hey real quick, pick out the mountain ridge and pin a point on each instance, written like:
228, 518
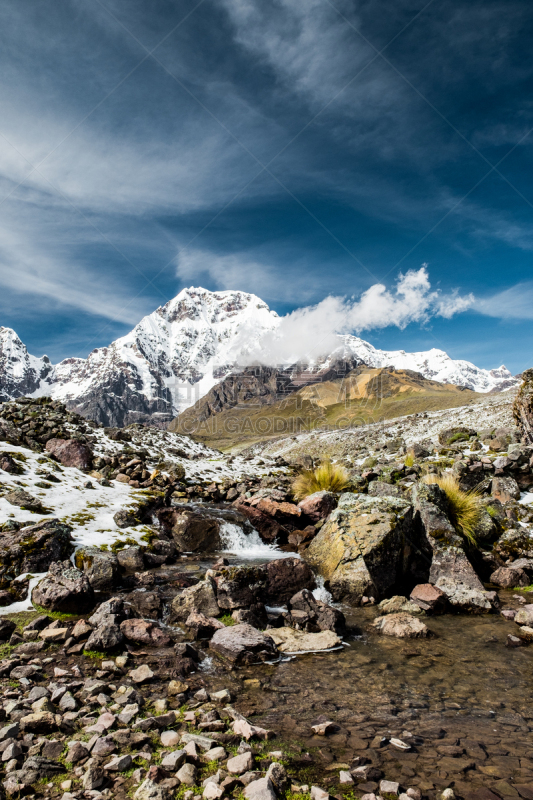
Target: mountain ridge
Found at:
178, 353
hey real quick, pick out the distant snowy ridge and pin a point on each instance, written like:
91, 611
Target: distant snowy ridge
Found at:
175, 355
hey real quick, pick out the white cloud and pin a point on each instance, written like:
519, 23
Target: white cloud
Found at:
311, 332
513, 303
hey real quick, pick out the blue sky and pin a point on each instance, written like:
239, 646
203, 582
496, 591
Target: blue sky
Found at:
294, 149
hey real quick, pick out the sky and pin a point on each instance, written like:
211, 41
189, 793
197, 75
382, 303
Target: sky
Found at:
314, 152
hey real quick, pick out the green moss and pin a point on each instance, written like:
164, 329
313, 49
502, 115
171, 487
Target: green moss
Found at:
94, 654
458, 437
228, 620
55, 614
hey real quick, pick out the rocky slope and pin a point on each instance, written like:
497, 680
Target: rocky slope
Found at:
177, 354
145, 655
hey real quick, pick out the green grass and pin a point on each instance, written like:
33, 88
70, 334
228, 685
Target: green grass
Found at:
228, 620
55, 614
465, 507
409, 460
94, 654
328, 476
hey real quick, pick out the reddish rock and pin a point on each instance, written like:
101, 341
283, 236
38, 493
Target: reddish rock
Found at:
286, 577
277, 510
318, 505
266, 526
429, 598
8, 463
142, 632
508, 578
71, 453
302, 537
203, 627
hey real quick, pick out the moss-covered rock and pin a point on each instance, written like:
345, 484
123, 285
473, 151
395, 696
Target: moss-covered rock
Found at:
33, 549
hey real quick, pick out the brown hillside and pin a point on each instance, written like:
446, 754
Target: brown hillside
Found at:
364, 395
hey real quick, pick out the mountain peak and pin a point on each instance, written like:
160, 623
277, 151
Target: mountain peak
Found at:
176, 354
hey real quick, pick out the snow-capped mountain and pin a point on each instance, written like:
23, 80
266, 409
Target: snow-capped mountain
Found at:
433, 364
166, 363
175, 355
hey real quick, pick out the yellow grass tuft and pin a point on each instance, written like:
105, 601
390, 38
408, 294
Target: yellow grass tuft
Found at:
328, 476
465, 507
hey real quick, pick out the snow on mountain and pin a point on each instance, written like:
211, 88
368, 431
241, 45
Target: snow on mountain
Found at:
433, 364
166, 363
175, 355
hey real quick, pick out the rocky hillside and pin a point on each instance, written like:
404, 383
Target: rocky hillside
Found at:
170, 624
177, 354
239, 412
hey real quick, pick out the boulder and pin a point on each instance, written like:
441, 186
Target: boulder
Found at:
523, 407
505, 489
441, 559
363, 549
65, 589
100, 566
24, 500
268, 528
401, 625
382, 489
107, 636
514, 543
131, 559
318, 506
509, 578
141, 631
7, 627
203, 627
242, 645
71, 453
319, 616
463, 597
429, 598
144, 604
288, 640
35, 548
275, 583
396, 604
193, 531
458, 433
200, 598
524, 615
285, 577
139, 512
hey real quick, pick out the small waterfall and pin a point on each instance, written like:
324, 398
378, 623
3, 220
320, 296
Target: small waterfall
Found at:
246, 545
321, 593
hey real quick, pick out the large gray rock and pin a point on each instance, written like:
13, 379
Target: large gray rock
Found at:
443, 561
100, 566
34, 548
65, 588
242, 644
505, 489
275, 583
200, 598
107, 636
23, 499
364, 548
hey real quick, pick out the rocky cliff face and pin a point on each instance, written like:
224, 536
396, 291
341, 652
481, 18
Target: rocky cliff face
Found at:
177, 354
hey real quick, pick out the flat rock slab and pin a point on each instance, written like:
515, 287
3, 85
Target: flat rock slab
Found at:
289, 640
401, 625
